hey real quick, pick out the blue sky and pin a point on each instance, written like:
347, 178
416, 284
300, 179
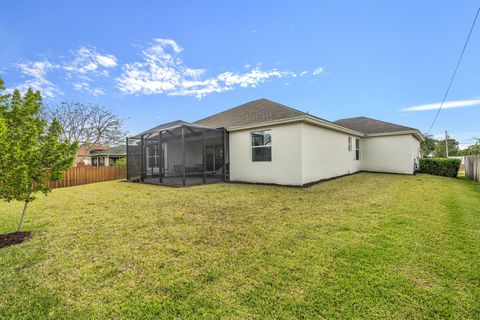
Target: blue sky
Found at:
154, 62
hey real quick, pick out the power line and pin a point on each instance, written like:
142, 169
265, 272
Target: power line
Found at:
455, 72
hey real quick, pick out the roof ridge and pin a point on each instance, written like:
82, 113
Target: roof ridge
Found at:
366, 124
395, 124
371, 119
349, 118
285, 106
247, 103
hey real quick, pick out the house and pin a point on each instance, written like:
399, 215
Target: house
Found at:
83, 155
107, 157
266, 142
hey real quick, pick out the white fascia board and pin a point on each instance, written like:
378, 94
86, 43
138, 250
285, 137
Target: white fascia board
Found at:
415, 133
308, 119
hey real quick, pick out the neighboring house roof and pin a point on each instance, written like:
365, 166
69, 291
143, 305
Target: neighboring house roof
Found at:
256, 111
120, 150
369, 126
84, 151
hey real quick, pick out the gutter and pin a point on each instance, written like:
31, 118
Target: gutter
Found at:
415, 133
325, 124
306, 118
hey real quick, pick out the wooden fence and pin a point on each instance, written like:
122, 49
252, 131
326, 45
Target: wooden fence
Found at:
76, 176
472, 167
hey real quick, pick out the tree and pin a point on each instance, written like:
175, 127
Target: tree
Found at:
471, 150
87, 124
428, 145
453, 148
32, 152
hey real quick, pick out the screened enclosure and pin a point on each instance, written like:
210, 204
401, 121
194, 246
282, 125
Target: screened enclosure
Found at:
179, 155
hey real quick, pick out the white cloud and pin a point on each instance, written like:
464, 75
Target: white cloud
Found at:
163, 71
446, 105
87, 65
107, 61
160, 70
251, 78
317, 71
88, 61
38, 70
85, 86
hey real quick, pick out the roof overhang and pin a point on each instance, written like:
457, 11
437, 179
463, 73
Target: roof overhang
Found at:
415, 133
325, 124
308, 119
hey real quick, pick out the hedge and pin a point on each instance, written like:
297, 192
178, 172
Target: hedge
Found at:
440, 166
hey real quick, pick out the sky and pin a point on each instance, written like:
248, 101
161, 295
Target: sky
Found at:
157, 61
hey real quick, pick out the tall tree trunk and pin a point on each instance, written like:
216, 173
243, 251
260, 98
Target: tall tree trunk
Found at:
24, 210
23, 215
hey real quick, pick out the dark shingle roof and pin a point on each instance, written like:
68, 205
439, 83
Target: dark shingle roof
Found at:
368, 125
264, 110
256, 111
120, 150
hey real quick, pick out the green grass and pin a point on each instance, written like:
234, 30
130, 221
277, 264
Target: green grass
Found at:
363, 246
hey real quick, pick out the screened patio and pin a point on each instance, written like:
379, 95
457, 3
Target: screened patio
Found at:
178, 154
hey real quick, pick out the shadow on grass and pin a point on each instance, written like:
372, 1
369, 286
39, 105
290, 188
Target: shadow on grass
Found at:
14, 238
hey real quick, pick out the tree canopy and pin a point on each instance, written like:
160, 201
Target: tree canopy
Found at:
453, 148
88, 124
32, 152
436, 148
471, 150
428, 145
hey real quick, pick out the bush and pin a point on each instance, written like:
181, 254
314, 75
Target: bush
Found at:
122, 162
440, 166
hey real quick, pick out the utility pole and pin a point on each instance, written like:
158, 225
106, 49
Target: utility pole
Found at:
446, 142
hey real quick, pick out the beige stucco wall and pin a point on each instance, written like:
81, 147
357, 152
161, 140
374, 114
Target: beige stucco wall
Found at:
325, 154
285, 167
393, 154
304, 153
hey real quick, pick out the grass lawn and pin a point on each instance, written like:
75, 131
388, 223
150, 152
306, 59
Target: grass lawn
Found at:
363, 246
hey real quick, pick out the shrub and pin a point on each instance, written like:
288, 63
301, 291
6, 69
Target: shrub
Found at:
440, 166
122, 162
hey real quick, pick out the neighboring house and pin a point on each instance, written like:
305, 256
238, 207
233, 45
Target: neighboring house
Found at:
265, 142
82, 159
83, 155
107, 157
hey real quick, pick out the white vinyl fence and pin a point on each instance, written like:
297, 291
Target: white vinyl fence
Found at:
472, 167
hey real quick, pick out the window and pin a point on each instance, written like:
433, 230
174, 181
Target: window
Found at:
349, 143
357, 149
262, 146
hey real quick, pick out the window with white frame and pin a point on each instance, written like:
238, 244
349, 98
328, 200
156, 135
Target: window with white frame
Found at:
349, 143
261, 145
357, 149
